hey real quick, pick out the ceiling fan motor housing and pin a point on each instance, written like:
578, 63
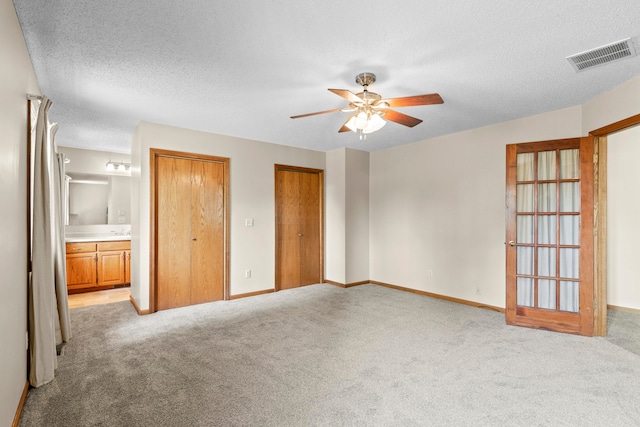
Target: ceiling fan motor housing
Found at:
365, 79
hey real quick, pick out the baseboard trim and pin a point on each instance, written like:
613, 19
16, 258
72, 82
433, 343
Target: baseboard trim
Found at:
438, 296
251, 294
23, 398
625, 309
348, 285
140, 312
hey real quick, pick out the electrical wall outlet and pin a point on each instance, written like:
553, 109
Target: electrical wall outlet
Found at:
247, 274
430, 274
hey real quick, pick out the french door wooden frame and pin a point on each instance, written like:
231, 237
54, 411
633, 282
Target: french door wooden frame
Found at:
154, 155
600, 219
599, 137
320, 174
554, 317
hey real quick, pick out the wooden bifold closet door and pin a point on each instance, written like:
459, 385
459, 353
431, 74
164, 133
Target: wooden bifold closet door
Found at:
190, 229
299, 226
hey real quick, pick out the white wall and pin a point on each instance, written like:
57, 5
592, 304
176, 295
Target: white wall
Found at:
335, 217
347, 216
92, 161
252, 196
623, 217
439, 205
357, 215
17, 78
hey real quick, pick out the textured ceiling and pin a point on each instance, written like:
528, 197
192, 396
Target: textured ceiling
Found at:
242, 68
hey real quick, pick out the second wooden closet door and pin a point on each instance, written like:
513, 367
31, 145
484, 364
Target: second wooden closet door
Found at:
190, 231
299, 231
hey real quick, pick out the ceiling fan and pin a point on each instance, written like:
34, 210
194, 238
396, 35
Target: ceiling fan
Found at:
369, 110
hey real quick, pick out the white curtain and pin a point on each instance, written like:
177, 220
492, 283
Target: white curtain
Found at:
49, 323
545, 213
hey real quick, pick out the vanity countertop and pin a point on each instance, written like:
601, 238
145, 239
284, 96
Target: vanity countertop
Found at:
96, 238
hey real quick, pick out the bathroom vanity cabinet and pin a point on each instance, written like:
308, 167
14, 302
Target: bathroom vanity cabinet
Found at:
98, 265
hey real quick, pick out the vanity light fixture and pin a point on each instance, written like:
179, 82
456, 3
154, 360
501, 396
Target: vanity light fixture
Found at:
119, 166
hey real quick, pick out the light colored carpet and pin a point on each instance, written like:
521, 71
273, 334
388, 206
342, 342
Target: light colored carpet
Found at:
326, 356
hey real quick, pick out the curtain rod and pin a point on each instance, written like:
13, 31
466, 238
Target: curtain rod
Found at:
31, 97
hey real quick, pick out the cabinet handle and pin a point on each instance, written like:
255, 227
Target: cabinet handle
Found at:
76, 249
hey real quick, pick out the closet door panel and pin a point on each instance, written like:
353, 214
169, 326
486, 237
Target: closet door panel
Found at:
207, 221
173, 232
289, 232
310, 220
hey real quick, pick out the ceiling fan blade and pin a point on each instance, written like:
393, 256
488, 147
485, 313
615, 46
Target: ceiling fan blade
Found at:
316, 113
344, 127
403, 119
412, 101
348, 95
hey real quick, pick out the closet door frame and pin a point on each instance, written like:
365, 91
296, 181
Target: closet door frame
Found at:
155, 153
320, 173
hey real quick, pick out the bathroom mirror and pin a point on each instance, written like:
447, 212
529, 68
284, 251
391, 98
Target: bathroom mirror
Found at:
98, 199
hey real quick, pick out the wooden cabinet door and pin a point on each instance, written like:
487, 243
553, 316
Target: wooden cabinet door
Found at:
127, 266
111, 268
81, 270
299, 230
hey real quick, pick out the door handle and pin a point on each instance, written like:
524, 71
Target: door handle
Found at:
193, 238
299, 235
512, 243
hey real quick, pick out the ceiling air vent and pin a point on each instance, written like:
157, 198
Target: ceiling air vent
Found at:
602, 55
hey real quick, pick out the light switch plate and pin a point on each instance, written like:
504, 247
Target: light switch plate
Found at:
248, 222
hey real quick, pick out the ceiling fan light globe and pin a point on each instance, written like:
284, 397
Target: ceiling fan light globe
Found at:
351, 124
361, 120
375, 123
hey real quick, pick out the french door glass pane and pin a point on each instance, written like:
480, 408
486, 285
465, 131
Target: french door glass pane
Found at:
547, 197
524, 291
547, 229
569, 263
547, 294
569, 196
524, 168
547, 262
546, 165
525, 260
524, 198
569, 230
570, 164
525, 229
569, 296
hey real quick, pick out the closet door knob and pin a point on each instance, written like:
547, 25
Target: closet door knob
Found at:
299, 235
193, 238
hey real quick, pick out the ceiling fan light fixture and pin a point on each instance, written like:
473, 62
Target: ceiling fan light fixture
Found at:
370, 112
375, 123
364, 123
